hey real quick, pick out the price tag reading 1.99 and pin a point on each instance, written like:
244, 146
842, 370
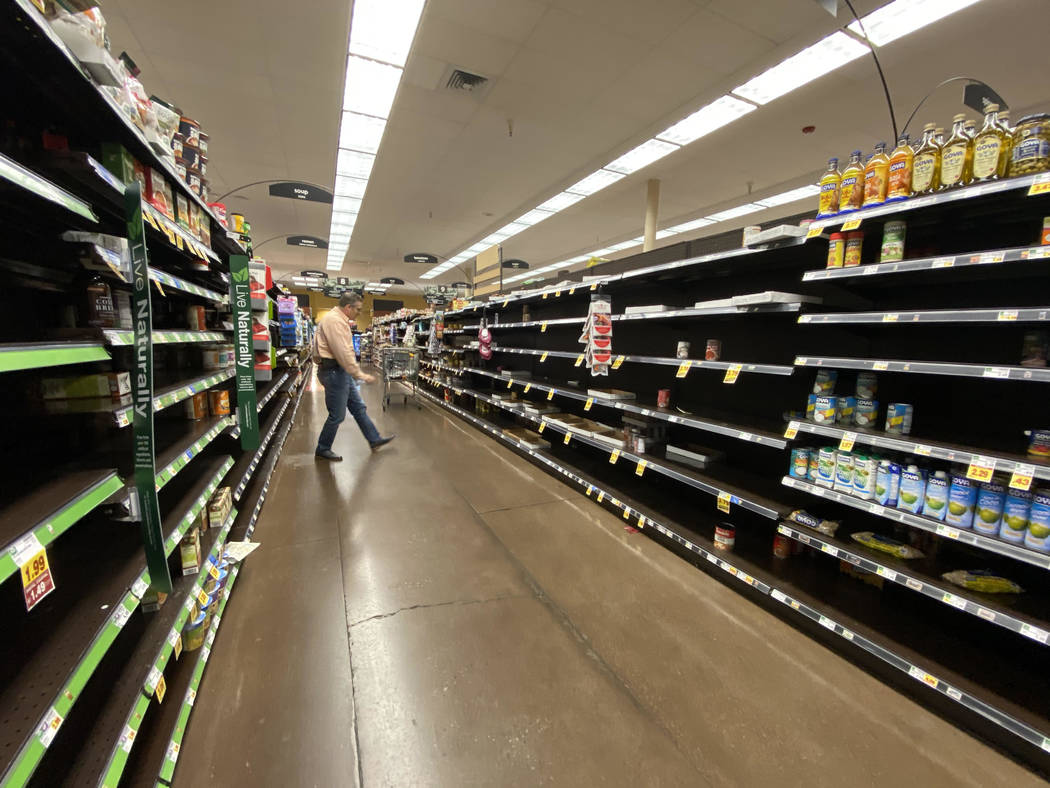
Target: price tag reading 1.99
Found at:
37, 581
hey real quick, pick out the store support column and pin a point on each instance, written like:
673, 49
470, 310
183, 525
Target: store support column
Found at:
652, 210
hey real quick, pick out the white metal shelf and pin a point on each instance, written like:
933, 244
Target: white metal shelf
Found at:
990, 257
996, 315
1034, 374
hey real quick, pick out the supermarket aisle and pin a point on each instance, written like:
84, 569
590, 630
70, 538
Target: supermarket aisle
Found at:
443, 614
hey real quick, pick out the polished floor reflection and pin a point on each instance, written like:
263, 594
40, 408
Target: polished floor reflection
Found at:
442, 613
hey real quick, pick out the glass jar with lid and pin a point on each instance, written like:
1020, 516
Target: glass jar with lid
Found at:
1031, 145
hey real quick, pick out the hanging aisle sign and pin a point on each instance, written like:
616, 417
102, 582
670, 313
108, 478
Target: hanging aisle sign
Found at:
142, 390
244, 352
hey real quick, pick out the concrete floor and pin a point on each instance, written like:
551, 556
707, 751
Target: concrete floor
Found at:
442, 613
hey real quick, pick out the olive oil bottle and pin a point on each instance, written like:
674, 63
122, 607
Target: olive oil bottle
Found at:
851, 191
830, 182
1008, 148
988, 146
902, 160
926, 169
876, 174
957, 156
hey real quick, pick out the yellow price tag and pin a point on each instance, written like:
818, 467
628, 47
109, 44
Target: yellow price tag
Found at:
601, 496
614, 456
544, 356
557, 293
568, 437
1040, 185
640, 468
579, 360
202, 597
161, 689
160, 289
618, 361
544, 296
594, 286
1021, 478
527, 387
116, 270
34, 567
572, 290
213, 570
724, 499
732, 373
641, 521
177, 645
683, 369
543, 327
924, 451
851, 224
550, 395
848, 439
981, 469
627, 513
588, 403
510, 383
506, 301
792, 430
590, 489
543, 426
814, 230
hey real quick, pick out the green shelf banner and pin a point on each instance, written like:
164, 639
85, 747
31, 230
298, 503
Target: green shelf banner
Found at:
244, 352
142, 389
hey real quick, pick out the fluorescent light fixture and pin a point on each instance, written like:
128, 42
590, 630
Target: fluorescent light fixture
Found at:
814, 61
346, 186
354, 164
370, 87
794, 195
513, 228
478, 248
559, 202
557, 266
384, 29
345, 209
595, 182
361, 132
600, 252
534, 216
661, 234
734, 213
461, 257
624, 245
642, 156
715, 115
495, 238
901, 17
695, 224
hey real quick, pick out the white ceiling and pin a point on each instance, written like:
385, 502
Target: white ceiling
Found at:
581, 81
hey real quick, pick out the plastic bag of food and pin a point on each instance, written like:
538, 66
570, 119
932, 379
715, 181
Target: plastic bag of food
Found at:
886, 545
826, 527
982, 580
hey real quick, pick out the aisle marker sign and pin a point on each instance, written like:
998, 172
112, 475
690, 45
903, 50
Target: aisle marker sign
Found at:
244, 354
1021, 478
142, 391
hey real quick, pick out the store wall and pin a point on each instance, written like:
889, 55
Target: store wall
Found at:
320, 303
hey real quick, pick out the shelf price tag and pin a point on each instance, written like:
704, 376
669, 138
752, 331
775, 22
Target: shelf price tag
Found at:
37, 581
543, 327
792, 430
1021, 478
724, 499
924, 451
557, 293
814, 230
550, 395
579, 360
527, 387
543, 357
614, 456
601, 496
890, 317
587, 405
880, 366
640, 468
981, 469
568, 437
545, 296
618, 362
732, 373
202, 598
1040, 184
506, 301
848, 439
572, 290
510, 383
1007, 314
594, 286
161, 689
683, 369
851, 224
627, 513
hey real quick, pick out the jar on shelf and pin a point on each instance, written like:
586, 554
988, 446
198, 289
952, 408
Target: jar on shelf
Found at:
1031, 145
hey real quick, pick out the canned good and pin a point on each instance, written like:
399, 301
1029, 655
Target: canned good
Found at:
725, 537
836, 250
219, 402
781, 546
191, 132
799, 463
825, 382
826, 410
867, 385
195, 319
663, 398
893, 234
683, 350
713, 351
866, 413
1039, 444
899, 418
197, 406
203, 143
854, 246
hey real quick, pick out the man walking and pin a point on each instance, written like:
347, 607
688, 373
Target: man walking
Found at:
339, 374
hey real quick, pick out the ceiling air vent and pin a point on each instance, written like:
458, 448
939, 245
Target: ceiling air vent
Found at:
465, 82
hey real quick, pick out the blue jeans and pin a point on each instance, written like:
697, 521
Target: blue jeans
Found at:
340, 394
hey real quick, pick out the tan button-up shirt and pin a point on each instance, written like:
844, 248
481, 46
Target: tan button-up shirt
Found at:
336, 340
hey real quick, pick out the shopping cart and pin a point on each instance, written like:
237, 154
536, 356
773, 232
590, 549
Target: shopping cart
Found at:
400, 365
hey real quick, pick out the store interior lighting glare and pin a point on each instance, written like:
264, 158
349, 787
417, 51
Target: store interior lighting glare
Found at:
381, 34
886, 24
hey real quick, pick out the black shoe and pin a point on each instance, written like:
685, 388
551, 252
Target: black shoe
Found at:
327, 454
382, 442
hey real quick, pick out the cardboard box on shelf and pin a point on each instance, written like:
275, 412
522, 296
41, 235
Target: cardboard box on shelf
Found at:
190, 551
219, 507
153, 600
100, 384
